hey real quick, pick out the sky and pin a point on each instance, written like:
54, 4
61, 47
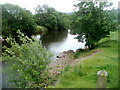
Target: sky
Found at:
59, 5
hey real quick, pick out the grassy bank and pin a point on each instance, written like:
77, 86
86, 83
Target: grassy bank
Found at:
84, 75
40, 29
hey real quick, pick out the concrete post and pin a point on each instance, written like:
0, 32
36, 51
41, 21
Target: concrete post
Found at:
102, 79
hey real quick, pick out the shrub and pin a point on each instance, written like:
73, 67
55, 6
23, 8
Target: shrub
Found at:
26, 62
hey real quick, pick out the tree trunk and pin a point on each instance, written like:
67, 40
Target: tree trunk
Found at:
91, 46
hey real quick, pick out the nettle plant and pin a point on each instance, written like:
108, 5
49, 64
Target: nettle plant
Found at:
26, 62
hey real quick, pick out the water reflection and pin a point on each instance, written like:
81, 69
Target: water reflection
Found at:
53, 36
57, 42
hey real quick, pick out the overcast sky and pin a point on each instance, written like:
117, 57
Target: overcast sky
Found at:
59, 5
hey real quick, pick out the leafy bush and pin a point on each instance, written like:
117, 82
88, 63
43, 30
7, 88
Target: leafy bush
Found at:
26, 63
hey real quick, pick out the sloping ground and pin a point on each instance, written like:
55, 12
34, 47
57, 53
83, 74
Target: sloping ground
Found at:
82, 72
57, 66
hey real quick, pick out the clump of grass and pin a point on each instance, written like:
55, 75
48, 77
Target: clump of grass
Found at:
67, 68
76, 55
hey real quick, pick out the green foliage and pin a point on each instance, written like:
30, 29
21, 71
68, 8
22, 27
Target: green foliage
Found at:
114, 35
114, 15
40, 29
76, 55
14, 18
92, 23
62, 21
67, 68
48, 17
84, 75
26, 63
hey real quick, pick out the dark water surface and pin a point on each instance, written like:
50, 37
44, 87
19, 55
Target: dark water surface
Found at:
59, 41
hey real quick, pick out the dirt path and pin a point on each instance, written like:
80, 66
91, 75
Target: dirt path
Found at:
58, 65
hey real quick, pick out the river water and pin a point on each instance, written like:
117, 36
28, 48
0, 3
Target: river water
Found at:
59, 41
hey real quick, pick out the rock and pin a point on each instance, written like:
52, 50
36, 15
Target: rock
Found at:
63, 54
85, 48
79, 50
56, 73
1, 39
70, 51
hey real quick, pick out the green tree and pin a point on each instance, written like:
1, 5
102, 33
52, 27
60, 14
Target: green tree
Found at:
92, 22
50, 18
26, 63
14, 18
114, 15
44, 17
62, 21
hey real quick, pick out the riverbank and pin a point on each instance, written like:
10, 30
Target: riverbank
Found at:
67, 59
41, 30
82, 72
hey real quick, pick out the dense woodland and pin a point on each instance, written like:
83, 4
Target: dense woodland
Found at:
28, 60
45, 18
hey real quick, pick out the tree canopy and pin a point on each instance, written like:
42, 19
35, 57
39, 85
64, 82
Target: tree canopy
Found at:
92, 22
50, 18
16, 18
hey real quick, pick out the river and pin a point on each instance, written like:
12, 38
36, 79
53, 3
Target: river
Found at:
59, 41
